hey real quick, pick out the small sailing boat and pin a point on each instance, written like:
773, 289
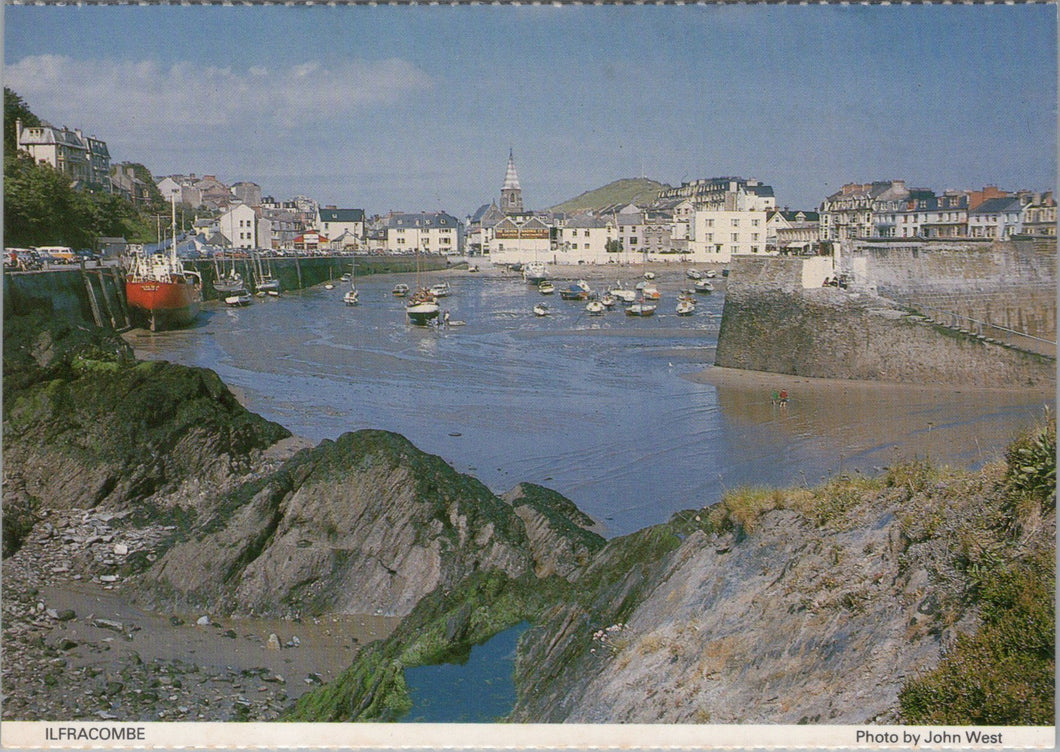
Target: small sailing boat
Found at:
594, 307
541, 309
350, 298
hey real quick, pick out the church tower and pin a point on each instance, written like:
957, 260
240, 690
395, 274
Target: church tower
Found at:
511, 192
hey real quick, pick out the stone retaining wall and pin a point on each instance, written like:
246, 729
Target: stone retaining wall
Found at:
773, 322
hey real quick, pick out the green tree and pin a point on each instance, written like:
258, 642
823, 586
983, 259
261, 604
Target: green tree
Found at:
15, 108
613, 246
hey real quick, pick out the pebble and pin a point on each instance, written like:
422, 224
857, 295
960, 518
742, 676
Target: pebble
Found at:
203, 621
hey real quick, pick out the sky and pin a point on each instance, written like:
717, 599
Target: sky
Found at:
415, 108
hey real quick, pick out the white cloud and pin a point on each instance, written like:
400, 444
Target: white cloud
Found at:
143, 99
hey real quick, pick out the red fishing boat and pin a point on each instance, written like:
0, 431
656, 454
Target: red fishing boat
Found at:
160, 292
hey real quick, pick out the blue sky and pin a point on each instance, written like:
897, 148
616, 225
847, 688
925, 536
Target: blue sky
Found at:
415, 108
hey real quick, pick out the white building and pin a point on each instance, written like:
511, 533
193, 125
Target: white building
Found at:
85, 160
729, 218
342, 223
520, 239
996, 218
430, 232
586, 239
240, 227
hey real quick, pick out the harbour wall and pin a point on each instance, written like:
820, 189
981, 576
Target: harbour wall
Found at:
779, 318
97, 294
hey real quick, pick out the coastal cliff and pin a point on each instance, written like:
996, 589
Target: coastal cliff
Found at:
800, 606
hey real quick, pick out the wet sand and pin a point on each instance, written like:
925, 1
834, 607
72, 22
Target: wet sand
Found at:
948, 424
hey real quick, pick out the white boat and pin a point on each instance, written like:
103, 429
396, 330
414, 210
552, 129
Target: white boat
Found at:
535, 272
400, 290
239, 299
686, 307
594, 308
440, 290
640, 285
704, 285
608, 300
640, 308
545, 287
649, 275
711, 274
693, 274
541, 309
422, 308
622, 294
650, 292
350, 298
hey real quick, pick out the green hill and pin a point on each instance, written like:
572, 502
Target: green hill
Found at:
628, 190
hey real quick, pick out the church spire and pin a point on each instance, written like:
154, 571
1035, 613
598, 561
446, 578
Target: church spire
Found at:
511, 192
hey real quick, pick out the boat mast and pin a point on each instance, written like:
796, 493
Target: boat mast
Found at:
173, 247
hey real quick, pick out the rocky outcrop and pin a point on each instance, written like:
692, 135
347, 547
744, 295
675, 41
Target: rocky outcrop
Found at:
363, 524
777, 607
561, 539
87, 426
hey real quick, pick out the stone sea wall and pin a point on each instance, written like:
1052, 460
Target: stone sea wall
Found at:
65, 292
773, 322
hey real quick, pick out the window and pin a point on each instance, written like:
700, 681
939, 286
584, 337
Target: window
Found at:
736, 237
754, 223
586, 233
735, 222
632, 241
710, 223
754, 237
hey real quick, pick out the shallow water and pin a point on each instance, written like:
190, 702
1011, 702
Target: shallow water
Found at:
479, 690
603, 409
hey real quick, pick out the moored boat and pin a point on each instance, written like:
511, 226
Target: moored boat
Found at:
440, 290
159, 290
704, 285
640, 308
594, 308
693, 274
623, 294
650, 292
711, 274
608, 300
400, 290
422, 307
239, 299
685, 307
541, 309
545, 287
350, 298
534, 272
580, 290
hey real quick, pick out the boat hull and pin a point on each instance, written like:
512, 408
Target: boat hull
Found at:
422, 314
163, 305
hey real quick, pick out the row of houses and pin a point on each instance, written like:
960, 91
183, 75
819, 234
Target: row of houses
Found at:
889, 209
707, 220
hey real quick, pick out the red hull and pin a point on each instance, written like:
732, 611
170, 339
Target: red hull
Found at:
163, 305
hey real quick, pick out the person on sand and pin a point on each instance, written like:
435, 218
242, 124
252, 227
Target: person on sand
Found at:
783, 397
774, 397
445, 318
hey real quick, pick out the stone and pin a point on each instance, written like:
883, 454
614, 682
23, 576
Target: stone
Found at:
273, 643
111, 624
203, 621
120, 549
